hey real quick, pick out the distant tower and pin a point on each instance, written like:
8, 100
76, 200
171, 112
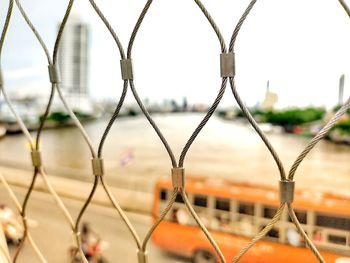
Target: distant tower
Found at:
270, 99
341, 90
73, 57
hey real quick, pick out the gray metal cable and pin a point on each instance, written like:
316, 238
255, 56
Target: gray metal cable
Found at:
345, 6
304, 235
109, 27
6, 27
159, 219
203, 122
24, 214
66, 105
321, 134
41, 171
241, 103
213, 24
153, 124
20, 122
308, 148
125, 87
221, 91
137, 27
165, 143
133, 89
262, 233
104, 136
4, 252
113, 118
202, 226
32, 27
17, 117
240, 23
121, 213
258, 130
19, 209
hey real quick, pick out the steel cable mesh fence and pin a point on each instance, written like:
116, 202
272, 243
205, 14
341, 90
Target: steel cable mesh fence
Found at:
228, 73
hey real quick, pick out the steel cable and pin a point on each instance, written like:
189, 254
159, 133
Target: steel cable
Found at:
202, 226
159, 219
36, 33
22, 126
103, 138
5, 254
213, 24
40, 170
5, 27
304, 235
345, 7
295, 165
241, 104
162, 138
41, 126
320, 135
240, 23
19, 209
24, 215
203, 122
261, 234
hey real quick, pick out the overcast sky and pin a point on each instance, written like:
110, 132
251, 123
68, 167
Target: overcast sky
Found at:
301, 46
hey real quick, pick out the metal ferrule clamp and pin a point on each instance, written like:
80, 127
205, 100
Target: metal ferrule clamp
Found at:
142, 256
127, 69
178, 177
287, 191
97, 166
227, 65
54, 73
36, 158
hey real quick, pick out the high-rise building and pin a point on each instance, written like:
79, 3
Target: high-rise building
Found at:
73, 57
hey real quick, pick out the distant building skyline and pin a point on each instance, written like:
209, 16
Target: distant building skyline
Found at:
304, 68
74, 57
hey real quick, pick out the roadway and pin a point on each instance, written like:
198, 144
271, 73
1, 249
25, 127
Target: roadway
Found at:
53, 235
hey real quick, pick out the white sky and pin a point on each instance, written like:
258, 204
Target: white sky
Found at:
301, 46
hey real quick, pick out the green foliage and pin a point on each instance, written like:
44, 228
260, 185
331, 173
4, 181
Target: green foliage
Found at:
343, 127
62, 117
294, 116
57, 117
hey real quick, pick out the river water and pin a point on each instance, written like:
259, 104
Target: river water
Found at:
135, 158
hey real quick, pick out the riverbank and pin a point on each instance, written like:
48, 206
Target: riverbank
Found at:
135, 158
133, 201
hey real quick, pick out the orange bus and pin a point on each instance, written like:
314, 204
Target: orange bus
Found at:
236, 212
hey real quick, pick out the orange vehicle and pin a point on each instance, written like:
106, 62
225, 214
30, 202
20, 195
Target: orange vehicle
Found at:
235, 212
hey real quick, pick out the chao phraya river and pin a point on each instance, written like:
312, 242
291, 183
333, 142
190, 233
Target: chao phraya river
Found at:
224, 149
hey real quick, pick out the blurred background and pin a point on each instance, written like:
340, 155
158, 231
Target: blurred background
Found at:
292, 65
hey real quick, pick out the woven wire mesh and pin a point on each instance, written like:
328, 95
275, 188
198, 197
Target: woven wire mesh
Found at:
178, 171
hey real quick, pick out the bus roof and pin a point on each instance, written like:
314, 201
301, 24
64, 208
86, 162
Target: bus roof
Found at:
247, 192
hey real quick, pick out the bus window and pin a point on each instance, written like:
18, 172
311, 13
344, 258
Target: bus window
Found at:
179, 198
269, 212
341, 223
301, 215
293, 237
222, 204
200, 200
339, 240
246, 209
163, 194
274, 233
